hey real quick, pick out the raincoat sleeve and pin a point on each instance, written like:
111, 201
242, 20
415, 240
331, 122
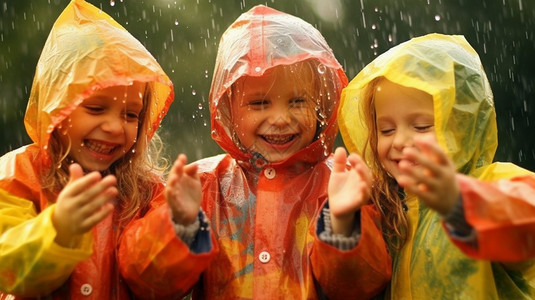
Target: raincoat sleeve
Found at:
154, 261
500, 206
31, 263
359, 273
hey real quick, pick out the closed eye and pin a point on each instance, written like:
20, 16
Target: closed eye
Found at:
258, 104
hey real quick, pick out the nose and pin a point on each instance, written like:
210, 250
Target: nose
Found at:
402, 138
280, 116
113, 125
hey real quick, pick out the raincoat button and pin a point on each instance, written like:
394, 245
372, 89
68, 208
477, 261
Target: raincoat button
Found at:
264, 257
270, 173
86, 289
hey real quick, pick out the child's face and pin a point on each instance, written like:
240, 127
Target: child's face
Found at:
402, 114
104, 127
273, 115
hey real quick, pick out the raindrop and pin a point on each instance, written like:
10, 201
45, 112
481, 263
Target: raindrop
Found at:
321, 68
133, 150
258, 69
374, 27
194, 92
437, 17
176, 22
112, 2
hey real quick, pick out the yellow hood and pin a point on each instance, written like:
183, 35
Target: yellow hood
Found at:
447, 68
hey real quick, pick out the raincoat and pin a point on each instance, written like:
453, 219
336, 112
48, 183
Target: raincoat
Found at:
498, 198
263, 215
85, 51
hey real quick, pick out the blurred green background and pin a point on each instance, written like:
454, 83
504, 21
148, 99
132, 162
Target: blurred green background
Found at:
183, 36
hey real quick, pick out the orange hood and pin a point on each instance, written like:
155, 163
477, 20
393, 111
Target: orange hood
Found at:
87, 51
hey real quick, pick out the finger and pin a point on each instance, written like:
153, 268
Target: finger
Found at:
91, 192
361, 167
77, 186
95, 204
191, 170
75, 172
95, 218
339, 160
433, 150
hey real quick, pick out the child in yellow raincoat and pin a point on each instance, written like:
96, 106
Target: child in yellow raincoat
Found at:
97, 99
458, 225
273, 105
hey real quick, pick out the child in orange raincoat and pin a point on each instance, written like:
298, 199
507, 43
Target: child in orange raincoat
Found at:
273, 105
458, 225
97, 98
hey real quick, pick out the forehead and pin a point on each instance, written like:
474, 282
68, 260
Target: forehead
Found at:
297, 77
391, 96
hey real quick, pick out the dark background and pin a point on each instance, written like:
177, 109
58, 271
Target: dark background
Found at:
183, 36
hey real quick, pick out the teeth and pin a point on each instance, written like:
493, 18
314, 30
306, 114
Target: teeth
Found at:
99, 147
278, 139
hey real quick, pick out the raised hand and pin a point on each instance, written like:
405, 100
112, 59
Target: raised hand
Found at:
430, 174
83, 203
183, 191
349, 189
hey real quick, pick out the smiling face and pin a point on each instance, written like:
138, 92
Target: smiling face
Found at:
104, 126
402, 114
274, 114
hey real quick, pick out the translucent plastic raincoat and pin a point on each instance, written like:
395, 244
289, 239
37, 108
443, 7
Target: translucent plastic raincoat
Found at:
85, 51
262, 214
498, 198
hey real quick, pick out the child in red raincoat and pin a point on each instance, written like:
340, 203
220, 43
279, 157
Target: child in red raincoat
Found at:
458, 225
97, 98
273, 105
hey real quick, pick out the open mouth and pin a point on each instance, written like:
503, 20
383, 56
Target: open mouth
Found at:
101, 147
279, 139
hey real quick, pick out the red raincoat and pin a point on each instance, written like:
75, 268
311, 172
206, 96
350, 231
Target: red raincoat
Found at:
263, 215
85, 51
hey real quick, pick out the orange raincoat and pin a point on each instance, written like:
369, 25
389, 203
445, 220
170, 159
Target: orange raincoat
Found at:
85, 51
263, 214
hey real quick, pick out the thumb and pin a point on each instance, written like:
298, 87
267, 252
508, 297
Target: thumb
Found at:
340, 160
75, 172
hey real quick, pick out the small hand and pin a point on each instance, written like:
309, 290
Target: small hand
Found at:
183, 191
430, 174
83, 203
349, 189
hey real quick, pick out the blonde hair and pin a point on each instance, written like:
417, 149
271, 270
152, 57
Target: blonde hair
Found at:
138, 171
386, 193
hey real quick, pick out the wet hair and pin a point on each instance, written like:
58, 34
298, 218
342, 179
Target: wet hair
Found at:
386, 194
138, 171
323, 95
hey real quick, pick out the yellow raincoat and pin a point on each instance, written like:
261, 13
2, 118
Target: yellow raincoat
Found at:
264, 214
498, 198
85, 51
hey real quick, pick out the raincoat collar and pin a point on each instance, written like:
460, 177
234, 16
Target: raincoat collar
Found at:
447, 68
258, 40
86, 51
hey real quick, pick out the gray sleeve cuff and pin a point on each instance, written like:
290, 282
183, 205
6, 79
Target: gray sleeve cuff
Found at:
187, 233
338, 241
456, 222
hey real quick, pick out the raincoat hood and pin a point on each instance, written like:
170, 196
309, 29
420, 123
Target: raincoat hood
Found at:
447, 68
86, 51
258, 40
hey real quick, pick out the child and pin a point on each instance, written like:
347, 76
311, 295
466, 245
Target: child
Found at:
97, 98
458, 225
273, 105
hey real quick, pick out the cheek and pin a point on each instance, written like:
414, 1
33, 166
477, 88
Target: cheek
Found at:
383, 145
131, 134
